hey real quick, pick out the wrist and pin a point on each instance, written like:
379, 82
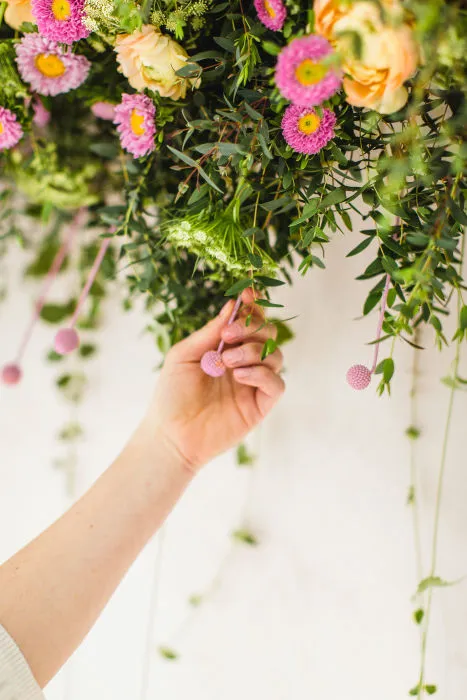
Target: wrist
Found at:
155, 444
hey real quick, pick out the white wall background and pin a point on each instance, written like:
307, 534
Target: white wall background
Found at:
322, 608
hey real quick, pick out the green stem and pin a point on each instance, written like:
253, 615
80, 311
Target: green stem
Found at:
439, 494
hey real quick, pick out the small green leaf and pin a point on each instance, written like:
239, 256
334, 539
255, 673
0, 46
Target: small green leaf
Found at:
463, 318
418, 615
244, 458
433, 582
269, 281
412, 432
246, 537
195, 600
56, 313
388, 370
414, 691
269, 347
87, 350
239, 287
268, 304
334, 197
168, 653
360, 247
271, 48
430, 689
255, 260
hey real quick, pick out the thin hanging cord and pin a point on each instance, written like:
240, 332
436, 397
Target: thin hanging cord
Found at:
384, 301
153, 605
50, 277
91, 277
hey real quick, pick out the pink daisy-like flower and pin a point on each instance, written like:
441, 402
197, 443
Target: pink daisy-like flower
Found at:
305, 131
103, 110
10, 130
41, 115
49, 68
134, 118
301, 75
60, 20
271, 13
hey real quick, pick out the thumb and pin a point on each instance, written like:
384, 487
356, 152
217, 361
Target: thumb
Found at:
192, 349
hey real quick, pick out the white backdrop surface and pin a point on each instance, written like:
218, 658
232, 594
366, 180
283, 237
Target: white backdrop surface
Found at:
322, 607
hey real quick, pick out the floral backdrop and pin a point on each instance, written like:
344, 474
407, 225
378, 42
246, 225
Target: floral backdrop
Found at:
211, 146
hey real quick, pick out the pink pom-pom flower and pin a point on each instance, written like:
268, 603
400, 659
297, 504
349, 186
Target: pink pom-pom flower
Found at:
302, 74
11, 374
60, 20
271, 13
10, 129
134, 119
305, 131
104, 110
47, 67
359, 377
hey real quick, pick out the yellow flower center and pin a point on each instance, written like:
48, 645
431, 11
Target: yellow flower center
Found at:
1, 128
49, 65
309, 73
309, 123
269, 9
136, 123
61, 9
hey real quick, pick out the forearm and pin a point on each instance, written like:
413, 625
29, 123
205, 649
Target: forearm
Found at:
53, 590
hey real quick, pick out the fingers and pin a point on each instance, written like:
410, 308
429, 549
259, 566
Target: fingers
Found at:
250, 354
192, 349
270, 386
258, 330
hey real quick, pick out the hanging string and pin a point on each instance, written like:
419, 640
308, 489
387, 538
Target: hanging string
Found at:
67, 339
211, 362
12, 372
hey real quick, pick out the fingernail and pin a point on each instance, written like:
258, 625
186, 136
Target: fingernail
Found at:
242, 372
232, 331
233, 356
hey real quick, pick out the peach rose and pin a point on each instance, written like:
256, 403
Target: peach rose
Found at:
17, 12
150, 61
389, 54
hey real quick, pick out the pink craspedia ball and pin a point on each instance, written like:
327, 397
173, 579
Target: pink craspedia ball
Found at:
66, 340
212, 365
11, 374
359, 377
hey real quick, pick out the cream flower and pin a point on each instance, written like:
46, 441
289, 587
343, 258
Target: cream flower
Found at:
17, 12
389, 53
150, 60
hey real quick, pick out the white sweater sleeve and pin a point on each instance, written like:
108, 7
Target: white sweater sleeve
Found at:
16, 679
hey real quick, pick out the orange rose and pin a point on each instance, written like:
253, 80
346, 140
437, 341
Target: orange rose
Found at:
17, 12
389, 53
150, 60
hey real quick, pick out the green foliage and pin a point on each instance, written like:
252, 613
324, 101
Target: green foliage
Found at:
244, 457
245, 537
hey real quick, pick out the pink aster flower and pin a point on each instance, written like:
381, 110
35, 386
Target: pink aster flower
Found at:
302, 76
10, 130
305, 131
271, 13
104, 110
41, 115
49, 68
60, 20
134, 118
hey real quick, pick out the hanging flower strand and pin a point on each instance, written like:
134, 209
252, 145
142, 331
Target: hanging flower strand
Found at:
12, 372
67, 339
359, 376
211, 362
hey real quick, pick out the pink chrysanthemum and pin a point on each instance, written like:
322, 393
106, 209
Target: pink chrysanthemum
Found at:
48, 68
60, 20
104, 110
305, 131
271, 13
134, 118
10, 130
301, 74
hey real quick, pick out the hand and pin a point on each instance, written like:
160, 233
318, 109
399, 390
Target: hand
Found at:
201, 416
